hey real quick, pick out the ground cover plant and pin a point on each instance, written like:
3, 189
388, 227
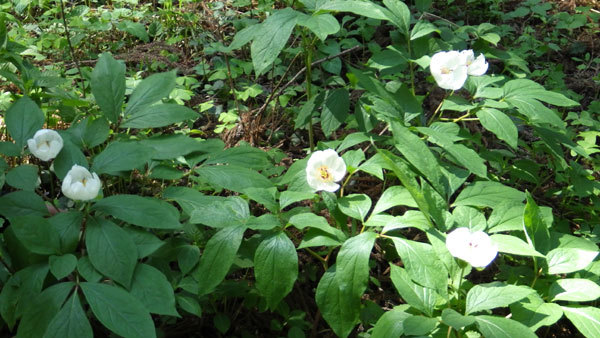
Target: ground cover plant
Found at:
299, 168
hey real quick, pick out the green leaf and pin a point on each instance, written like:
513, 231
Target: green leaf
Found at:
274, 34
158, 115
527, 89
355, 205
187, 257
110, 250
22, 203
399, 15
23, 177
492, 295
536, 231
241, 156
108, 86
68, 156
62, 266
394, 196
171, 146
514, 246
18, 291
500, 327
36, 234
422, 28
488, 194
275, 268
218, 256
418, 154
87, 270
149, 91
244, 36
574, 290
89, 132
390, 324
335, 110
419, 325
42, 309
68, 227
500, 124
585, 318
368, 9
352, 262
189, 304
146, 242
454, 319
121, 156
507, 216
118, 311
151, 288
288, 197
310, 220
321, 25
233, 177
535, 313
421, 298
422, 263
339, 308
70, 322
146, 212
23, 119
134, 28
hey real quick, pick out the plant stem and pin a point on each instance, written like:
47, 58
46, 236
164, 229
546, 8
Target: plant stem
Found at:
438, 108
71, 50
308, 63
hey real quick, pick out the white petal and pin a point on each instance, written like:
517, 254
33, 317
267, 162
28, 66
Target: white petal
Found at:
457, 242
478, 67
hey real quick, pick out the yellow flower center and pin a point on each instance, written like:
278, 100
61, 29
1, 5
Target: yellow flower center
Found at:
83, 181
324, 174
446, 70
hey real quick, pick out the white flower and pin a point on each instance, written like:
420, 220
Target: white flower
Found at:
323, 169
476, 248
475, 67
80, 184
449, 69
45, 144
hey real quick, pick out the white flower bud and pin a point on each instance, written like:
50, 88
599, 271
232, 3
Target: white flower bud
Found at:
475, 66
475, 248
449, 69
45, 144
80, 184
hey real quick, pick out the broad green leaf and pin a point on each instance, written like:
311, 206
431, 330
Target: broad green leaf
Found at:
87, 270
289, 197
42, 309
275, 268
514, 246
121, 156
18, 291
244, 36
70, 322
394, 196
536, 231
492, 295
507, 216
134, 28
146, 212
187, 257
189, 304
118, 311
145, 241
574, 290
89, 132
419, 325
149, 91
368, 9
241, 156
62, 266
108, 86
464, 216
488, 194
274, 34
266, 197
233, 177
355, 205
321, 25
310, 220
536, 112
339, 308
422, 28
218, 256
352, 262
22, 203
110, 250
68, 156
454, 319
422, 263
524, 88
24, 177
500, 327
36, 234
419, 297
399, 15
68, 227
571, 253
335, 110
173, 145
418, 154
500, 124
390, 324
158, 115
151, 288
585, 318
535, 313
9, 149
23, 119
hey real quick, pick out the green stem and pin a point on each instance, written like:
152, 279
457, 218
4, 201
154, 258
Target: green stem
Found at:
438, 108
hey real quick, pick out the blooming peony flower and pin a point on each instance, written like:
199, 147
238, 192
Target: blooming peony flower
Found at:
449, 69
80, 184
45, 144
475, 66
476, 248
324, 168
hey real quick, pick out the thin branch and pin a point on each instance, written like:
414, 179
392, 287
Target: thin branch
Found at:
64, 18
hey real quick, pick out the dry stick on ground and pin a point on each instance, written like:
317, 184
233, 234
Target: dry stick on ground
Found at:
64, 19
277, 92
